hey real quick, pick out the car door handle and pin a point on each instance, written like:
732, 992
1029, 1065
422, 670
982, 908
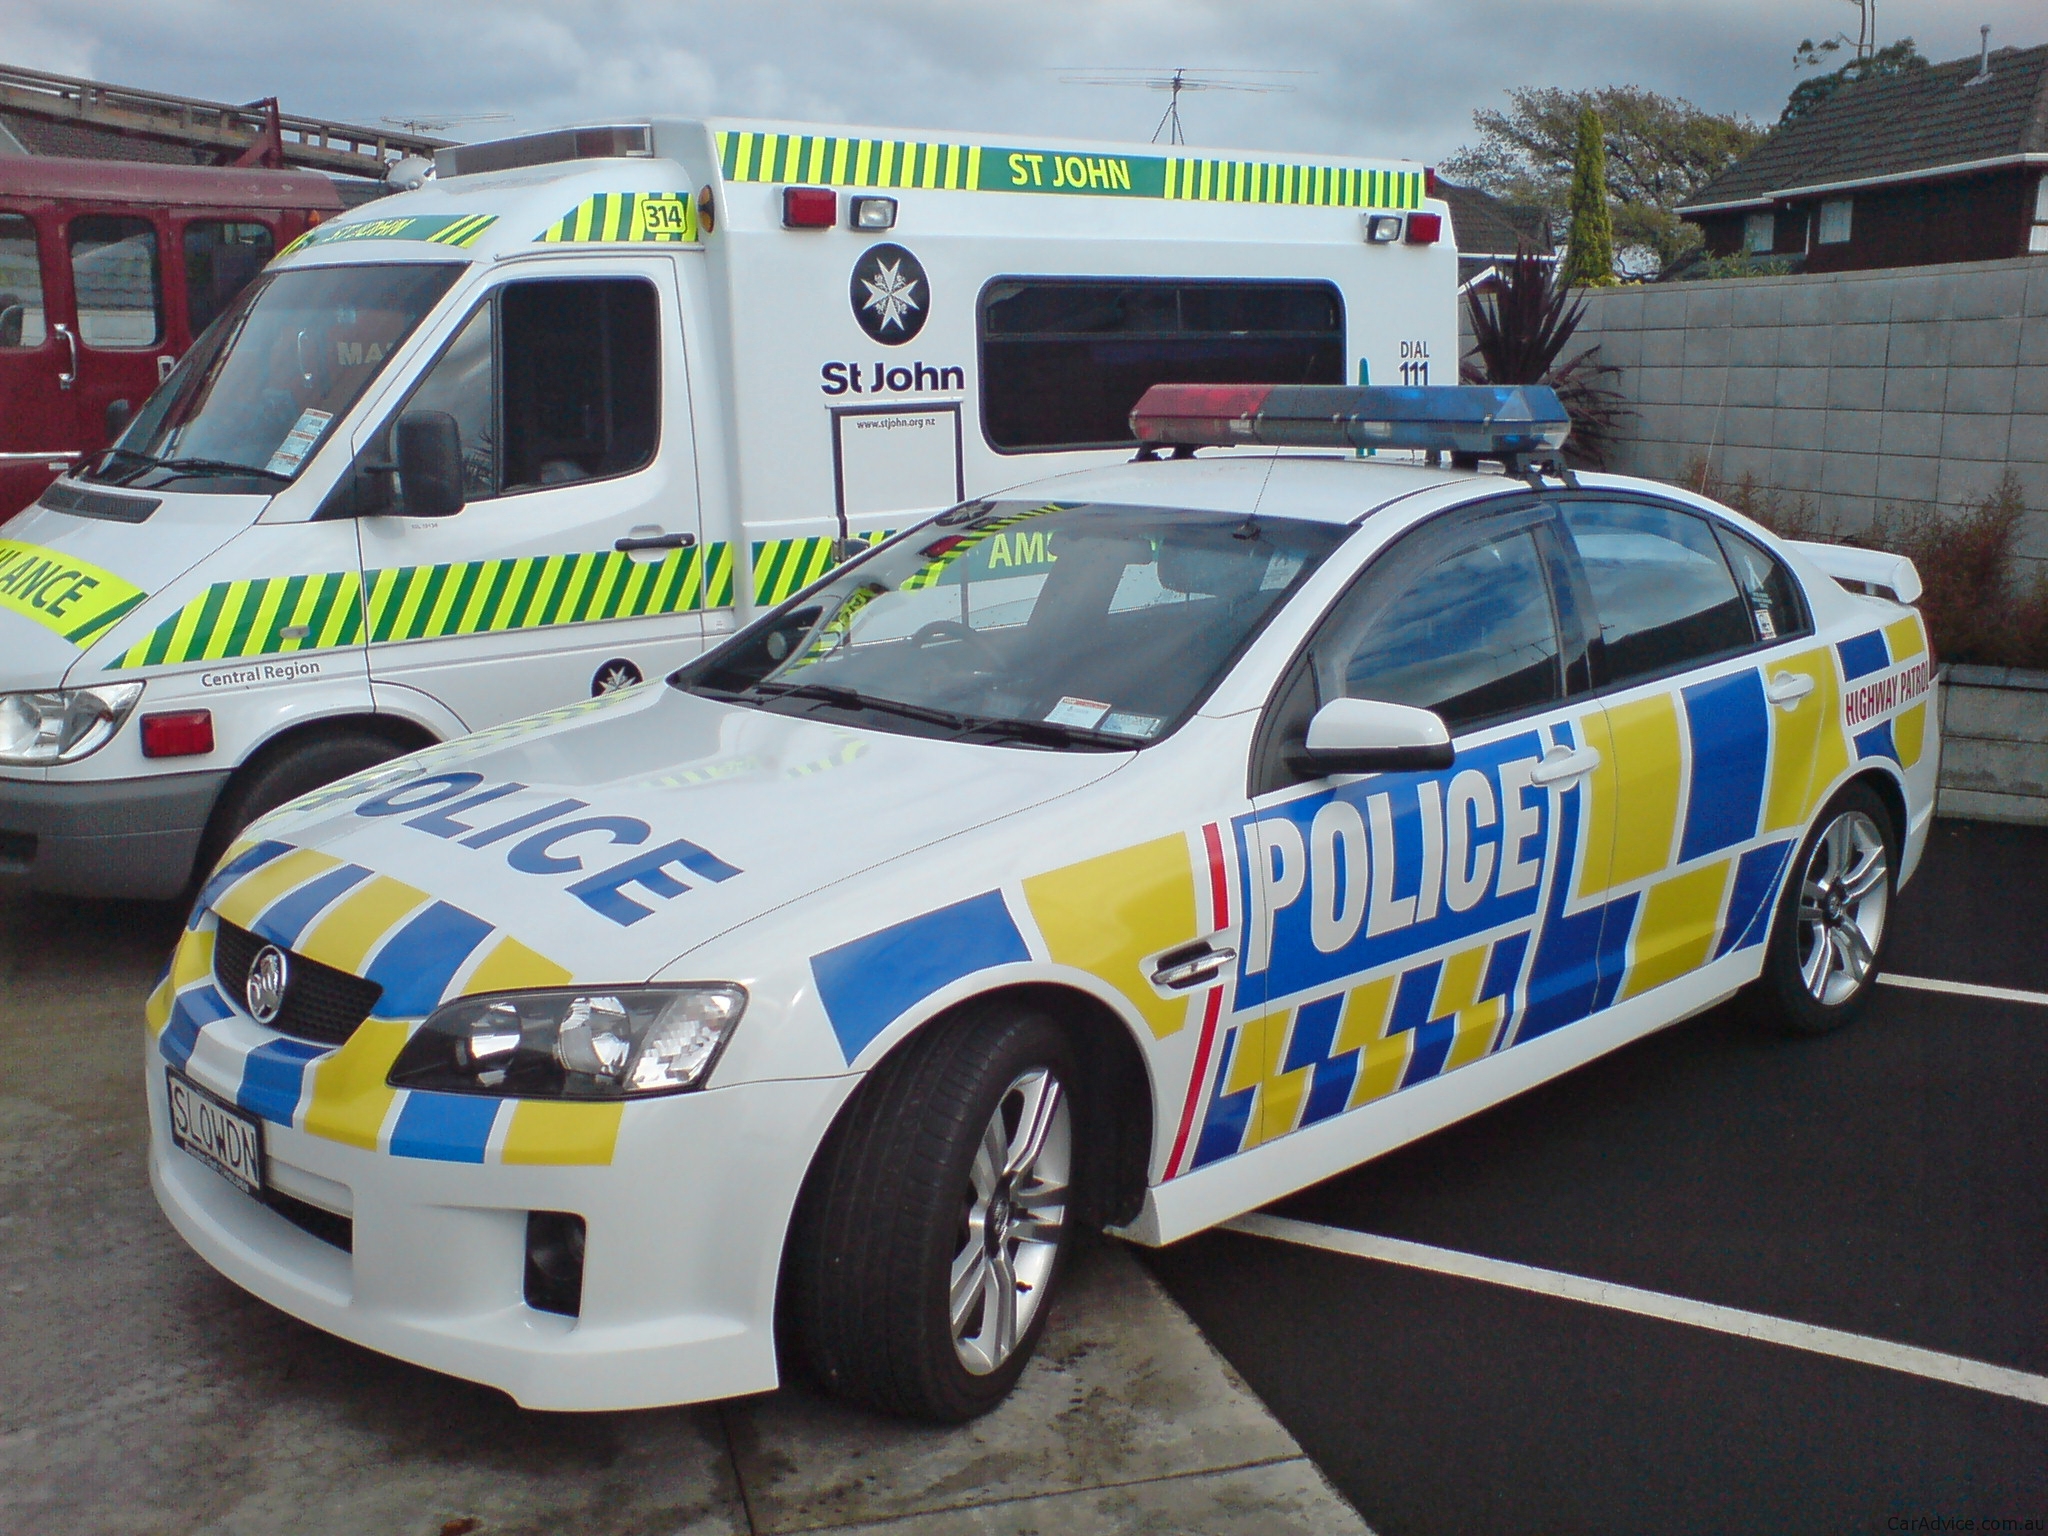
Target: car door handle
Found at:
1562, 764
66, 380
1788, 688
1191, 965
656, 541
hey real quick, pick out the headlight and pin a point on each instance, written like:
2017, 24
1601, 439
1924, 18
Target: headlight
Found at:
596, 1043
61, 725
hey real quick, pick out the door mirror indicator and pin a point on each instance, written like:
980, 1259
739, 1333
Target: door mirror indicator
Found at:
429, 464
1373, 736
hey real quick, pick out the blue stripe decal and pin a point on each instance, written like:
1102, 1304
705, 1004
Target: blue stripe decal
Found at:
1731, 738
416, 964
446, 1127
195, 1008
1864, 654
1749, 903
286, 918
1315, 1030
870, 983
233, 870
1411, 1011
1564, 980
1223, 1126
272, 1077
1877, 742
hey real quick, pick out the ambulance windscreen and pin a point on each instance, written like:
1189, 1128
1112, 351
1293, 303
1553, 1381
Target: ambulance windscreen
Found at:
1056, 625
262, 387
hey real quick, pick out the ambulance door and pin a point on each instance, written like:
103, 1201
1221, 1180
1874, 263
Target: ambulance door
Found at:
1714, 690
575, 565
1408, 924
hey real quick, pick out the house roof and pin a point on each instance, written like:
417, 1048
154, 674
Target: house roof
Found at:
1486, 226
1926, 121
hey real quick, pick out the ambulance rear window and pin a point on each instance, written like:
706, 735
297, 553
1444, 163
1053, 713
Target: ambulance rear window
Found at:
1063, 360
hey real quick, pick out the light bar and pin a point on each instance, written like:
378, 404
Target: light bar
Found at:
549, 148
1488, 419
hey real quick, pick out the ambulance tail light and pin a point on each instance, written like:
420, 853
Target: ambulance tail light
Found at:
809, 207
1486, 419
1424, 228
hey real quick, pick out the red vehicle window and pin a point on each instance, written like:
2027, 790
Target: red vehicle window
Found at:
220, 257
114, 272
21, 284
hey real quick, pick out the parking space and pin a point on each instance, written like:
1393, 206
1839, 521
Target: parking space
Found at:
1886, 1182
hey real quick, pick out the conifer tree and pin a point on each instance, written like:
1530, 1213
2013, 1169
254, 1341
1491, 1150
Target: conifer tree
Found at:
1589, 254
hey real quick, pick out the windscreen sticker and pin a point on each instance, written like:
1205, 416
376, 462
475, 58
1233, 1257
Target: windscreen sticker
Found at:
298, 442
71, 597
626, 217
1117, 723
828, 160
1080, 712
458, 230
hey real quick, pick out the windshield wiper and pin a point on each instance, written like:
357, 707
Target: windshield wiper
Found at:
195, 466
853, 698
1051, 732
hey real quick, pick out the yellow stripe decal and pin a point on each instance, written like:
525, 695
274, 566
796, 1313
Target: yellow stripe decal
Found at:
1646, 745
350, 1099
1106, 915
547, 1132
245, 900
1675, 933
347, 934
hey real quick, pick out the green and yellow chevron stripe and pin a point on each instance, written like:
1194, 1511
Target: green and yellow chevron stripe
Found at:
634, 217
425, 602
786, 566
459, 230
263, 616
829, 160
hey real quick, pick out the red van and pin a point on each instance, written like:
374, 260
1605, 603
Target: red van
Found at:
108, 270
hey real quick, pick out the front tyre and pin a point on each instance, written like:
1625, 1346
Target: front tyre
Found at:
933, 1227
1827, 943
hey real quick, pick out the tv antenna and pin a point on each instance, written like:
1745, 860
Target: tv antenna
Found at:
435, 122
1175, 81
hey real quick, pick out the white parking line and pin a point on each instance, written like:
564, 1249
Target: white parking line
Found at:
1952, 1369
1963, 989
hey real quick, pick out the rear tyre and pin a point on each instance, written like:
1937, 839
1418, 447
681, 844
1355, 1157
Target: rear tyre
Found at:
934, 1224
297, 768
1828, 939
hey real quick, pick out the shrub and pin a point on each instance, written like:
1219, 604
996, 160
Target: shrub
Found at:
1520, 330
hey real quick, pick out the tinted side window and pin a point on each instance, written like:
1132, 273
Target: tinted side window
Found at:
221, 256
1777, 608
1472, 637
580, 379
21, 284
1063, 362
114, 273
1661, 588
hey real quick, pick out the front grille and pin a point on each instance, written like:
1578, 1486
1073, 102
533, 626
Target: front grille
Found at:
80, 502
321, 1004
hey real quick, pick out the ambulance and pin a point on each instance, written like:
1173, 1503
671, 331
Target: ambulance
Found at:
1303, 798
587, 400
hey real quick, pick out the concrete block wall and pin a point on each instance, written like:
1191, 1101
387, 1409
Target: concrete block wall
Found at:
1994, 757
1853, 390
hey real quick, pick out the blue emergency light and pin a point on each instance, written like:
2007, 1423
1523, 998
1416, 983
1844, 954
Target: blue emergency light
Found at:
1493, 420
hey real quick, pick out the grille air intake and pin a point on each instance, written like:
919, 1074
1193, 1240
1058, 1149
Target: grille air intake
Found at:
321, 1005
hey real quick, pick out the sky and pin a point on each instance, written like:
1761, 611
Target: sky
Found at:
1369, 77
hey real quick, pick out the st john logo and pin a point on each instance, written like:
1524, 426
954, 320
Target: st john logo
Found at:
890, 294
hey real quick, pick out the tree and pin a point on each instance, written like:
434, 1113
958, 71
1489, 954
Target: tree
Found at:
1589, 249
1660, 151
1892, 59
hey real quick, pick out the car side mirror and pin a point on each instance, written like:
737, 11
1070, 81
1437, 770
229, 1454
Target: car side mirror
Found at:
1373, 736
119, 413
429, 464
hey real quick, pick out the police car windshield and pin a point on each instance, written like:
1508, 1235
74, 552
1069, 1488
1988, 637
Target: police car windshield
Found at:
1064, 626
263, 385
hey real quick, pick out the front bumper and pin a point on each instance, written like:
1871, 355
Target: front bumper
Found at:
113, 837
685, 1235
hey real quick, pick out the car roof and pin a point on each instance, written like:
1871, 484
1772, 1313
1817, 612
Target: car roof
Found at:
1325, 488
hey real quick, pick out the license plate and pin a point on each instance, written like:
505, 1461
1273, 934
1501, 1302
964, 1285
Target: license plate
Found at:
220, 1136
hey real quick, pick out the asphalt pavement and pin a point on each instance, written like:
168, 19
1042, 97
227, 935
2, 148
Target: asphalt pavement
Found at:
1887, 1181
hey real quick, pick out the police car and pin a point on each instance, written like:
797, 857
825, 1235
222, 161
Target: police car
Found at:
1129, 849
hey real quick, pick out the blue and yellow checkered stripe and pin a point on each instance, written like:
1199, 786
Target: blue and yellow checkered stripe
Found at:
421, 951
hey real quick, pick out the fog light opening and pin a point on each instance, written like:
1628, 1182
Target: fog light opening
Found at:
554, 1262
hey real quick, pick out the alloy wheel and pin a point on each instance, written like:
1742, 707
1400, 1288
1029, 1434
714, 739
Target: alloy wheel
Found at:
1013, 1220
1844, 897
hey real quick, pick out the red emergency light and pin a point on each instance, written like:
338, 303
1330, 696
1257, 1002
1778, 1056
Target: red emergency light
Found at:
809, 208
1424, 228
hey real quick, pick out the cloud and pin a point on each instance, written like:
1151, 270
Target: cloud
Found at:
1397, 77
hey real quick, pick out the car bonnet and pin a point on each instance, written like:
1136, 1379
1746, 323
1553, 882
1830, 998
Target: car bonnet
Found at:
608, 837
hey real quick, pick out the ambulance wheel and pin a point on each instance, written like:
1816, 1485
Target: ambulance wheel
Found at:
285, 771
1828, 941
934, 1223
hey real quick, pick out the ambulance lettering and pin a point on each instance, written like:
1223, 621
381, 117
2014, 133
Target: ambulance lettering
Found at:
891, 379
1370, 872
546, 844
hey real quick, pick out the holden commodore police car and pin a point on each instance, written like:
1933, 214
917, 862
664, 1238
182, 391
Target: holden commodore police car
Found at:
1131, 849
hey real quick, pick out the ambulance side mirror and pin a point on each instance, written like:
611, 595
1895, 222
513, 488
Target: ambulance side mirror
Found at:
1372, 736
429, 464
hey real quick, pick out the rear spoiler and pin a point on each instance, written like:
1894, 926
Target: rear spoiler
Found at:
1867, 567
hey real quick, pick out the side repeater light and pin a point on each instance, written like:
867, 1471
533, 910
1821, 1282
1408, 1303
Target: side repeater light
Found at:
1488, 419
809, 207
178, 733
